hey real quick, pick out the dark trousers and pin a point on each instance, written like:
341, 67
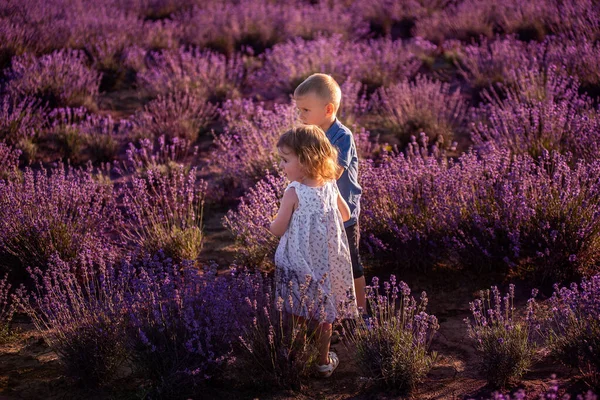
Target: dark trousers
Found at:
353, 234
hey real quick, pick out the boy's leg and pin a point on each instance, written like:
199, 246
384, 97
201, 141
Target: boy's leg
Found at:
361, 299
353, 234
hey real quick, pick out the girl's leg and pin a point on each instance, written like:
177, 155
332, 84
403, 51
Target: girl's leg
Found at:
300, 323
323, 337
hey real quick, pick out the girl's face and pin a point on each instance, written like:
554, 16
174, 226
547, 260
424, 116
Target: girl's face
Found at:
290, 164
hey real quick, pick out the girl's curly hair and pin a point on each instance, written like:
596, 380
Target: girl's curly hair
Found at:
315, 153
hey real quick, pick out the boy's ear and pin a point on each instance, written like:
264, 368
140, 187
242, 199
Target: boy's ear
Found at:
330, 109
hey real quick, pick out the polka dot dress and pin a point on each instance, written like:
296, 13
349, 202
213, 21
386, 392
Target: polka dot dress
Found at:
313, 267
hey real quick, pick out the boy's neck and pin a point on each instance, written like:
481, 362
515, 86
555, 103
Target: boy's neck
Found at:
327, 124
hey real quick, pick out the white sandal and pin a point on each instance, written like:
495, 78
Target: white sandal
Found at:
326, 370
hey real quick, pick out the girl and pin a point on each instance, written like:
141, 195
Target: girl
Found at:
312, 260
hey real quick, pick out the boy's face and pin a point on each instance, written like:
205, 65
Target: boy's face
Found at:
290, 164
313, 110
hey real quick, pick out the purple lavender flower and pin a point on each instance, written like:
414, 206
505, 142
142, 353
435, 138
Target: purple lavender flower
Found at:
392, 345
9, 162
505, 343
164, 212
61, 78
175, 115
195, 71
20, 120
250, 221
573, 328
407, 109
245, 151
60, 211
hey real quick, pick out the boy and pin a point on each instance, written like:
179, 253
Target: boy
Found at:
318, 100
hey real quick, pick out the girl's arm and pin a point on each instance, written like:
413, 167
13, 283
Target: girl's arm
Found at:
343, 207
289, 202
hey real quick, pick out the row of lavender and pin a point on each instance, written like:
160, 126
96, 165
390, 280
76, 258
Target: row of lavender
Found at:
529, 93
537, 109
500, 67
105, 28
174, 330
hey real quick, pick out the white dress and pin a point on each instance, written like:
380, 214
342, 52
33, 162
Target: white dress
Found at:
315, 246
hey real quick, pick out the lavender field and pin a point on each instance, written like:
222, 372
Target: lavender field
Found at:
139, 175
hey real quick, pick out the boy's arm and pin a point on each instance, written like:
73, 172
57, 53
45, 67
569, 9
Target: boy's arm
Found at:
343, 207
343, 145
289, 203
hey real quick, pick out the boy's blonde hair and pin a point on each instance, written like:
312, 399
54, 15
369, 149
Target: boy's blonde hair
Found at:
322, 85
315, 153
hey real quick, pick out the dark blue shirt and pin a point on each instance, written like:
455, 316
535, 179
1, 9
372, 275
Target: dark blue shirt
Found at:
341, 137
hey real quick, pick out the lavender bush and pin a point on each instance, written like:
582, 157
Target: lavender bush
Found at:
35, 28
80, 308
579, 57
553, 392
160, 155
529, 21
392, 346
61, 78
276, 343
554, 236
504, 340
102, 137
80, 137
578, 20
60, 211
175, 115
387, 18
406, 203
354, 102
464, 21
249, 223
387, 62
104, 33
9, 162
246, 149
20, 120
429, 106
542, 113
260, 24
65, 131
204, 72
374, 63
531, 217
573, 329
164, 212
287, 64
6, 309
488, 63
183, 324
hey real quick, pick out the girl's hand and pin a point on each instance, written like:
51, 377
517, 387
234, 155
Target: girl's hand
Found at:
343, 207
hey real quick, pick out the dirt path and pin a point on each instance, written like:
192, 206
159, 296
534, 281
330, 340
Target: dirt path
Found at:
30, 370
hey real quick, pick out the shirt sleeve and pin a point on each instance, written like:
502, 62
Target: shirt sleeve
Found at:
344, 144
